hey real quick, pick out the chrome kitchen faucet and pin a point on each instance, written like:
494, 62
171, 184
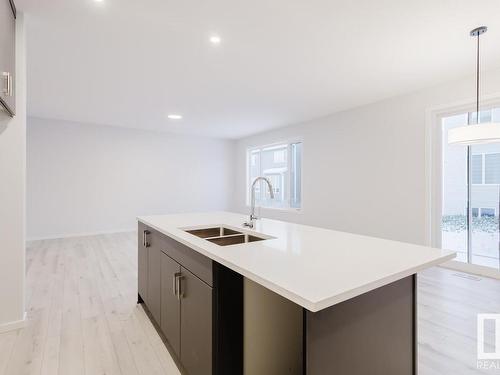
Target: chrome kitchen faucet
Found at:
251, 223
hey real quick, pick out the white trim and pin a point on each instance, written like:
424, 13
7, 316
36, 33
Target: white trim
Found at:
472, 268
11, 326
432, 175
82, 234
282, 141
429, 177
283, 209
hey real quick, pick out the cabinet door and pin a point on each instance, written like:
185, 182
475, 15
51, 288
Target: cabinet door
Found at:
7, 54
142, 261
196, 325
170, 303
154, 276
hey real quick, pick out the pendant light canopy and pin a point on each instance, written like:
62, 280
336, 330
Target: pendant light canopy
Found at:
480, 133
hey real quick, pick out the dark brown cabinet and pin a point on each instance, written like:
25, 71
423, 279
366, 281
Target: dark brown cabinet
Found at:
7, 55
195, 302
186, 316
179, 299
196, 325
171, 302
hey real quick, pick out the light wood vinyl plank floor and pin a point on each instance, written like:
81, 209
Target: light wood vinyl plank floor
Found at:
83, 318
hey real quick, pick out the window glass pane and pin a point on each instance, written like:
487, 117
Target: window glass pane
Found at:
274, 166
485, 116
454, 199
477, 169
480, 241
279, 156
495, 115
492, 168
253, 172
484, 233
487, 212
296, 175
282, 165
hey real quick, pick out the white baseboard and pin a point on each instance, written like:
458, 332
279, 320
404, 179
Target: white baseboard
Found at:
472, 268
11, 326
83, 234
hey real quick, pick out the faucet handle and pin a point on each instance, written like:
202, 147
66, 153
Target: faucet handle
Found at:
248, 224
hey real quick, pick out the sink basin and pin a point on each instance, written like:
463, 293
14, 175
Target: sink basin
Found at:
223, 236
212, 232
235, 239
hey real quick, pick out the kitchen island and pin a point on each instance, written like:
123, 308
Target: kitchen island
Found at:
281, 298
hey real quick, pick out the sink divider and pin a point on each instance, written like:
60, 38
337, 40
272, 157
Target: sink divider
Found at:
226, 236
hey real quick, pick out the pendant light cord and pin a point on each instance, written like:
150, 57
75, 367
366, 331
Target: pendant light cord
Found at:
477, 82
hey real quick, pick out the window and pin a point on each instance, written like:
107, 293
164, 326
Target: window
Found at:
470, 194
475, 212
477, 169
282, 165
485, 168
487, 212
492, 168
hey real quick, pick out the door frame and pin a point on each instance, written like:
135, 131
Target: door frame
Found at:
433, 175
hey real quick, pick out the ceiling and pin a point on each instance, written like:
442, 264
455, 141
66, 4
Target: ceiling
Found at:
132, 62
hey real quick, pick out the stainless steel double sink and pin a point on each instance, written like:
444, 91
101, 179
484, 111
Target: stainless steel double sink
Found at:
224, 236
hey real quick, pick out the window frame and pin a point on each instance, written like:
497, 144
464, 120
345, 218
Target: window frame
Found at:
288, 142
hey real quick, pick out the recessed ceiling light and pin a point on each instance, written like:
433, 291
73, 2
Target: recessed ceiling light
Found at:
174, 117
215, 39
98, 1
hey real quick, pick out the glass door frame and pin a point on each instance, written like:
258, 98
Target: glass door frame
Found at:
434, 172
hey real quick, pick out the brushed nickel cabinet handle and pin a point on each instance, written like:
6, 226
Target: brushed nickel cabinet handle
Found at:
178, 278
174, 284
6, 89
10, 85
145, 238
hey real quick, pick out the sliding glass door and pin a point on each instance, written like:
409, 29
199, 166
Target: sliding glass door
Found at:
470, 195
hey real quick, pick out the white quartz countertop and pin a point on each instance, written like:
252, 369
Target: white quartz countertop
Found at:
313, 267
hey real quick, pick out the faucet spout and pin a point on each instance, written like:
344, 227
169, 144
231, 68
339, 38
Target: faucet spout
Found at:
250, 223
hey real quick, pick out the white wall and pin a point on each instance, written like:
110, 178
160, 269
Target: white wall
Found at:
12, 195
364, 170
86, 178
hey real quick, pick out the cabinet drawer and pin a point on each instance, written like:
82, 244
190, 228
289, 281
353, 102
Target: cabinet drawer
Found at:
198, 264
